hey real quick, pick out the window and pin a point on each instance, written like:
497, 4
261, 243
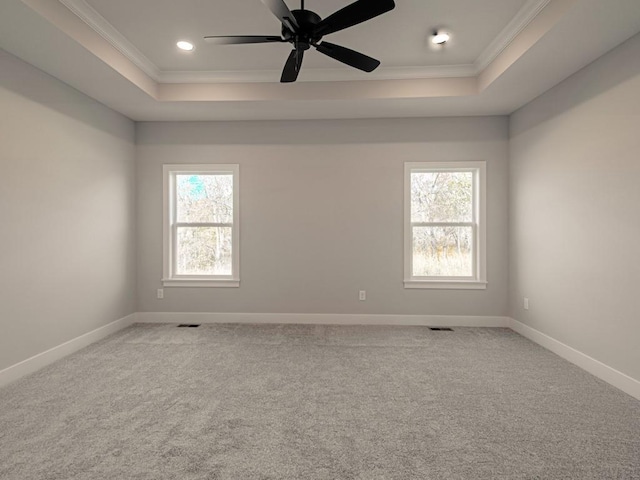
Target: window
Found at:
201, 243
445, 233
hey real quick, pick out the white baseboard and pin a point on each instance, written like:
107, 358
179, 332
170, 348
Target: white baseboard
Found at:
604, 372
43, 359
324, 319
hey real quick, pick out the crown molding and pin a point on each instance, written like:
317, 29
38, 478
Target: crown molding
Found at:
524, 17
318, 75
100, 25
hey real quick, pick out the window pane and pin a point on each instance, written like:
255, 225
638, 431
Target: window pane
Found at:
204, 251
442, 251
204, 198
442, 197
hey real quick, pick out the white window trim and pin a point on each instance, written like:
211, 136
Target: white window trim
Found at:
169, 279
479, 279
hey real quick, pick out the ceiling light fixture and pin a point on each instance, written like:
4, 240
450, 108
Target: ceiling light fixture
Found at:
440, 37
184, 45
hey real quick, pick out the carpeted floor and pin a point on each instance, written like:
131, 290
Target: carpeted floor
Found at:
316, 402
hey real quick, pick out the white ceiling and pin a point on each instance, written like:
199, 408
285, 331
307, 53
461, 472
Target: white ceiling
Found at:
122, 52
398, 38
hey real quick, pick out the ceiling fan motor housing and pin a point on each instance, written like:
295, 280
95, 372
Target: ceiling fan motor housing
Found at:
304, 38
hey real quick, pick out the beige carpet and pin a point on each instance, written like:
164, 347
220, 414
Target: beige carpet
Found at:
316, 402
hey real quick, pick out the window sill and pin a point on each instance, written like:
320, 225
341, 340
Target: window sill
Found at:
200, 283
446, 285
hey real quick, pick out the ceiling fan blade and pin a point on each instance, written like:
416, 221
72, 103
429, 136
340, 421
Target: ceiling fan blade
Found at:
292, 67
280, 10
358, 12
240, 39
350, 57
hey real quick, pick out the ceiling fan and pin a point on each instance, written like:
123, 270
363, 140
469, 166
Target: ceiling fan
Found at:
304, 29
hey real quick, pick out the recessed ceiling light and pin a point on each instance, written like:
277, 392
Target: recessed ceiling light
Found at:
184, 45
440, 38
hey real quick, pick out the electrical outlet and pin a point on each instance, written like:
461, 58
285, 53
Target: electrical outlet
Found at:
160, 293
526, 303
362, 295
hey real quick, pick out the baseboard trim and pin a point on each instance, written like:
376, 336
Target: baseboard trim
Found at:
610, 375
595, 367
35, 363
324, 319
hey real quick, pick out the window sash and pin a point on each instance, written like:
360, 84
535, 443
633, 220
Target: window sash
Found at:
174, 245
474, 248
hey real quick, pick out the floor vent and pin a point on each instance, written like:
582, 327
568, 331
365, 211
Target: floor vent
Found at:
441, 329
188, 325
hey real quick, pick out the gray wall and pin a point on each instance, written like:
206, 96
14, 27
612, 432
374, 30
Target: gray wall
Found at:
67, 213
321, 212
575, 210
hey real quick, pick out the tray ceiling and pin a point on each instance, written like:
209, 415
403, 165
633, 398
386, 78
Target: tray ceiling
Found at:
122, 53
398, 38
